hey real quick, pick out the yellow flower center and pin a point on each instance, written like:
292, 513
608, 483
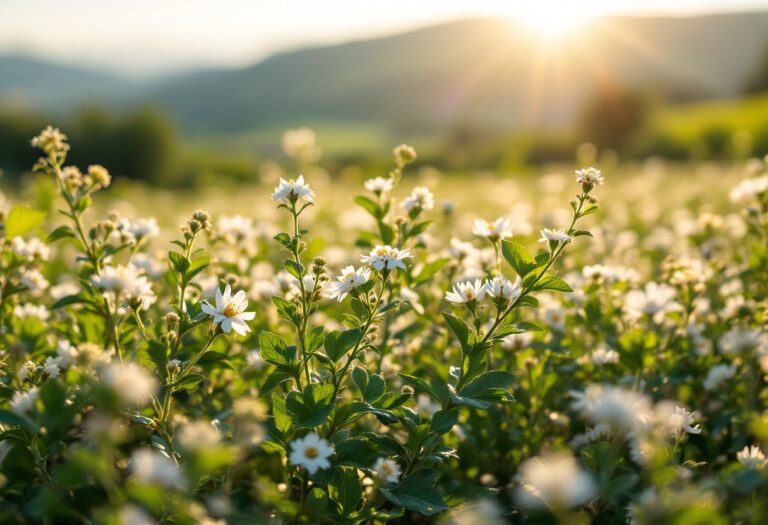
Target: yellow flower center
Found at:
386, 468
311, 453
231, 310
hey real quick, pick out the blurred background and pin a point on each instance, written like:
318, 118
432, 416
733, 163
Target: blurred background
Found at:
190, 93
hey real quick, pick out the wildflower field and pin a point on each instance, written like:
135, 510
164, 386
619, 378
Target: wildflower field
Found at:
573, 346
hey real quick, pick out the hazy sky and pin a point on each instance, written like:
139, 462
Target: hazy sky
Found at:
146, 36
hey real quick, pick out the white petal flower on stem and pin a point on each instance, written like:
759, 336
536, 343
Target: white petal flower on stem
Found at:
379, 185
150, 466
590, 177
554, 481
230, 311
131, 382
386, 257
683, 420
501, 228
548, 235
311, 453
420, 198
293, 190
466, 292
751, 457
503, 288
52, 366
387, 470
349, 280
24, 402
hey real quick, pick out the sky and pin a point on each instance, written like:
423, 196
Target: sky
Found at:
146, 37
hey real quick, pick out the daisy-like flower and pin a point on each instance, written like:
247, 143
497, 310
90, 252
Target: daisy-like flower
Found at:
589, 178
293, 190
24, 402
117, 278
131, 382
379, 185
683, 420
466, 292
548, 235
387, 470
501, 228
502, 288
230, 311
420, 199
349, 279
554, 481
751, 457
311, 452
386, 257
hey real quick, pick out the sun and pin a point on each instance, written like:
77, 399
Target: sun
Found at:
554, 19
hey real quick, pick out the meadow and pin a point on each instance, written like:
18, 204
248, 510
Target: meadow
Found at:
572, 344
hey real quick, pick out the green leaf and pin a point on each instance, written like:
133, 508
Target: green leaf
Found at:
553, 282
294, 268
459, 328
178, 262
69, 299
276, 351
280, 413
346, 489
191, 382
370, 206
196, 266
417, 493
62, 232
430, 270
444, 420
518, 257
22, 220
312, 407
485, 390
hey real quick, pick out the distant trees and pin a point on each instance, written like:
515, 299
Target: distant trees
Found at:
612, 115
139, 145
758, 80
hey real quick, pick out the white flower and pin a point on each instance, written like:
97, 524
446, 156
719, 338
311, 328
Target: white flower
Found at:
51, 140
386, 469
198, 435
419, 199
554, 481
34, 280
386, 257
117, 278
311, 452
32, 249
603, 355
301, 143
621, 410
254, 360
502, 288
149, 466
133, 515
230, 311
548, 235
236, 229
466, 292
717, 375
51, 366
293, 190
501, 228
751, 457
141, 228
349, 279
739, 341
749, 189
379, 185
29, 310
131, 382
66, 353
683, 420
654, 300
24, 402
590, 177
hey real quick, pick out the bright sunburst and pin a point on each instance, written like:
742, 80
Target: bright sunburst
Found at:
553, 19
